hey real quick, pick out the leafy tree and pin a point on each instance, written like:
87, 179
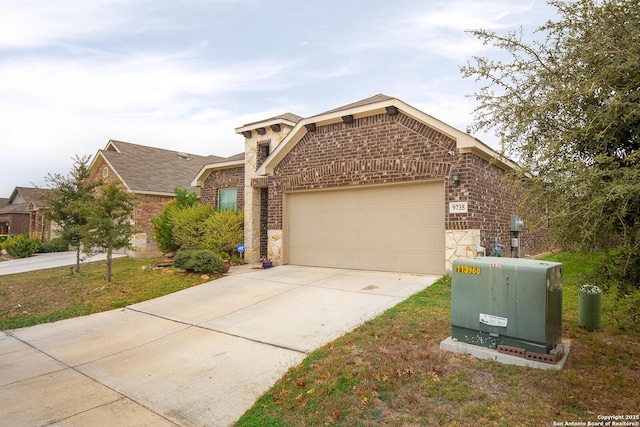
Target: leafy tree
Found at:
67, 203
568, 104
109, 220
163, 225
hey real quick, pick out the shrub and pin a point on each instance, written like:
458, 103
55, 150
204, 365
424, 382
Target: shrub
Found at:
21, 246
198, 261
189, 230
203, 227
58, 244
224, 230
163, 224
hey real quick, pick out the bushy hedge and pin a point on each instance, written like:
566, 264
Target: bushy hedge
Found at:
55, 245
189, 226
21, 246
203, 227
198, 261
224, 231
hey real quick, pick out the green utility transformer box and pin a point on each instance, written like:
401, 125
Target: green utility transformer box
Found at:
510, 302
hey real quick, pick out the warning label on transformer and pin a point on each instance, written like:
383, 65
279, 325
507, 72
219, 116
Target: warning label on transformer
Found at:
491, 320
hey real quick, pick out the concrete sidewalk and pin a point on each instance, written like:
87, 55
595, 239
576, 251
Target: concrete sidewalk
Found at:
199, 357
49, 260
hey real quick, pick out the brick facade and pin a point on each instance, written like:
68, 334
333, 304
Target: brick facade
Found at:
18, 222
223, 178
376, 141
147, 207
383, 149
378, 149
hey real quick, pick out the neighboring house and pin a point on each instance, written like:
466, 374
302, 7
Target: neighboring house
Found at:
152, 174
40, 227
374, 185
17, 215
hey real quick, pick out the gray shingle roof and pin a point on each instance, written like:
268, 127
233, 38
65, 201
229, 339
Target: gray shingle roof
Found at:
31, 194
371, 100
20, 198
154, 170
286, 116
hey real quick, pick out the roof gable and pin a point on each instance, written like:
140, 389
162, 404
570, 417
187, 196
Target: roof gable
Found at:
237, 160
151, 170
27, 194
377, 104
288, 119
21, 198
367, 101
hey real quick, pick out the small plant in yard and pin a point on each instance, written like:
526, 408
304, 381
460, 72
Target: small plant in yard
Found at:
198, 261
265, 262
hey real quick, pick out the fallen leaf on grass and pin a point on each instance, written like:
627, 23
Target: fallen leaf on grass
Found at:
333, 417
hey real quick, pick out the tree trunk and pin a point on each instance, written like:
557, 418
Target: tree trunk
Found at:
78, 259
109, 254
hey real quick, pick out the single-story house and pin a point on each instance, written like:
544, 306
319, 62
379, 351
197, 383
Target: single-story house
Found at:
376, 184
152, 174
22, 213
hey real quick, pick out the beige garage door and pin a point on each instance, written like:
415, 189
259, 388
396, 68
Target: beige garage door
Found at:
386, 228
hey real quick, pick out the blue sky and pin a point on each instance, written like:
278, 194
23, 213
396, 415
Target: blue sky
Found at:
182, 74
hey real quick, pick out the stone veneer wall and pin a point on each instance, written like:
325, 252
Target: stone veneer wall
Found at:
256, 148
39, 227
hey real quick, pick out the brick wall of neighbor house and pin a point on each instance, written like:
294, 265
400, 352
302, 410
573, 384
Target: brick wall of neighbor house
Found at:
18, 223
224, 178
98, 173
147, 207
383, 149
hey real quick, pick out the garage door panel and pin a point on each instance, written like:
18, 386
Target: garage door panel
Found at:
389, 228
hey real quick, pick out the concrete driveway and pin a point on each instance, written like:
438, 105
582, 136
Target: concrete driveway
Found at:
199, 357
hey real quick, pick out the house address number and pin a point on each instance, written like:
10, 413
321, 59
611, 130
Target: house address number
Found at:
458, 207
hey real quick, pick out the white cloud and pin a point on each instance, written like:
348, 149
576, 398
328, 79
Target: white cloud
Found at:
140, 83
34, 23
439, 28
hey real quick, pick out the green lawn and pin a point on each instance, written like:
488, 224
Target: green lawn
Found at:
42, 296
391, 371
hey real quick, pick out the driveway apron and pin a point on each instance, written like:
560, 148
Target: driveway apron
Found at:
198, 357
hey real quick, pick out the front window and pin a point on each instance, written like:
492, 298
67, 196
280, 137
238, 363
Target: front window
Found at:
228, 199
